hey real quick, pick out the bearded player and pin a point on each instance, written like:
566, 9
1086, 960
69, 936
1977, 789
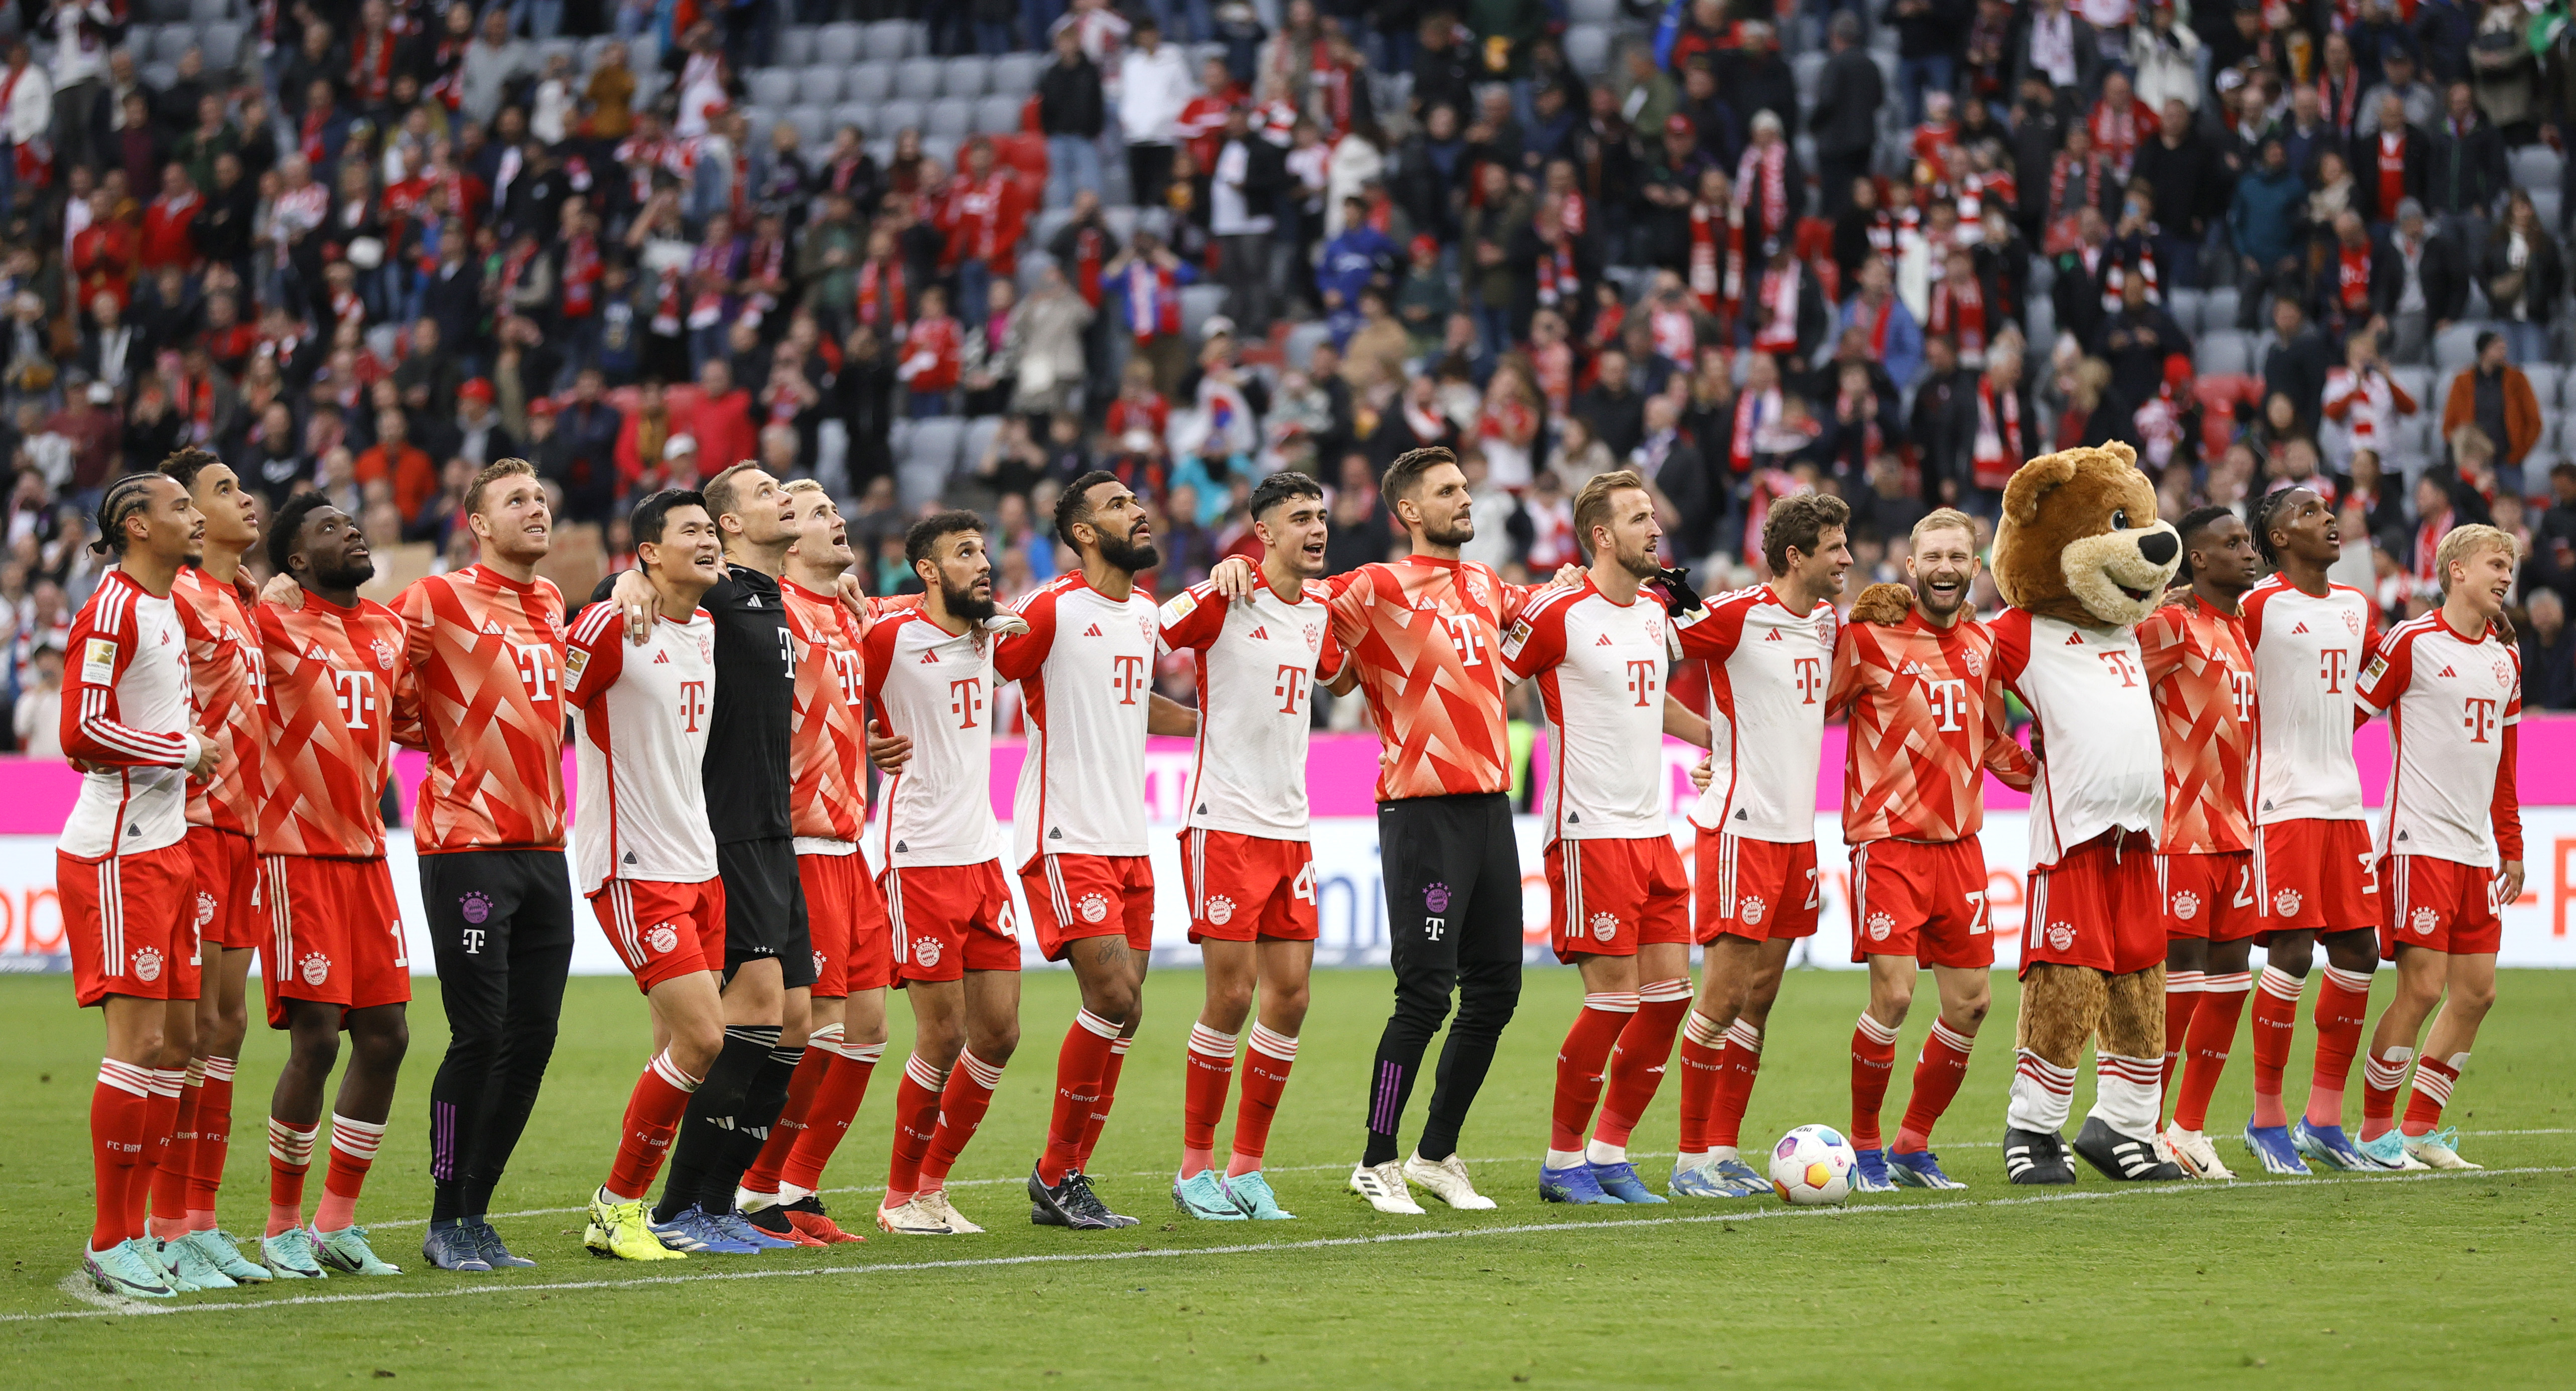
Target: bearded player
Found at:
2202, 677
1925, 701
2451, 840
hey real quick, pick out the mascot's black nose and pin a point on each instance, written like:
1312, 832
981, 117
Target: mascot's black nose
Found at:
2159, 546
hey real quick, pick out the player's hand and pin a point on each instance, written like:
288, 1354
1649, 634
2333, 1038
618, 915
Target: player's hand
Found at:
85, 767
852, 597
889, 752
1005, 623
1703, 773
1679, 597
1234, 577
1567, 576
202, 754
635, 595
2511, 892
282, 591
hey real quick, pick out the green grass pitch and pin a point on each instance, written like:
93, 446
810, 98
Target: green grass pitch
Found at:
2423, 1280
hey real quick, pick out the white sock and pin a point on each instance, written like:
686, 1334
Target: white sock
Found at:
1599, 1152
2127, 1093
790, 1193
1723, 1153
1563, 1159
2042, 1094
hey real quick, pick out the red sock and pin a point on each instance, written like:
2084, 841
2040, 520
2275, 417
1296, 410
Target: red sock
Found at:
2213, 1032
653, 1112
1099, 1118
353, 1152
1703, 1055
1078, 1068
2276, 1016
836, 1104
214, 1143
1735, 1085
821, 1048
1265, 1075
2182, 997
1637, 1064
2383, 1075
1873, 1059
2342, 1008
1209, 1073
169, 1219
962, 1104
1938, 1071
290, 1153
1580, 1062
2434, 1078
119, 1118
916, 1118
160, 1117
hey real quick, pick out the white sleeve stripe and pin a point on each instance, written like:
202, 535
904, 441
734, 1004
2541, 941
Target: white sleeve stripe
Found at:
594, 619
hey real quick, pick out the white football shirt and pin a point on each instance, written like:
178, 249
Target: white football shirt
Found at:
1600, 671
640, 809
2308, 652
1086, 674
2102, 761
2449, 701
129, 712
1259, 663
936, 689
1768, 671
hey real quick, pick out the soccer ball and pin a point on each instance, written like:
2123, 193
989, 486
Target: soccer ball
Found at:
1811, 1166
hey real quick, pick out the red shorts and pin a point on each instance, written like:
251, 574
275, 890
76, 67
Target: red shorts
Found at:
336, 934
1243, 887
1762, 889
1926, 901
947, 920
2208, 897
2097, 907
228, 908
2441, 905
663, 930
132, 923
848, 920
1076, 896
1611, 896
2316, 876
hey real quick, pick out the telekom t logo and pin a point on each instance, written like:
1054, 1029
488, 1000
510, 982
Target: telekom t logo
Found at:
1291, 689
849, 669
966, 700
693, 705
2120, 661
1949, 698
357, 692
2241, 685
536, 669
1641, 680
2481, 719
1464, 636
1129, 678
2331, 667
1810, 678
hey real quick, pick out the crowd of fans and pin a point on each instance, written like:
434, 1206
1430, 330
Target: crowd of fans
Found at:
1883, 249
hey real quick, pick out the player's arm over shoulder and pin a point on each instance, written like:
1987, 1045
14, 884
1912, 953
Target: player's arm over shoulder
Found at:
1018, 655
595, 653
1191, 619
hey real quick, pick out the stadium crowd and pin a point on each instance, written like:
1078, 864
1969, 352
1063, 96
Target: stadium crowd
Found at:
957, 255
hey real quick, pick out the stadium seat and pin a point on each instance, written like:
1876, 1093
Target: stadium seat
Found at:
917, 78
2043, 274
546, 49
898, 115
1808, 69
813, 126
2185, 304
160, 75
2219, 307
820, 85
1121, 221
2457, 346
2226, 352
942, 148
953, 117
978, 438
222, 41
171, 41
206, 12
852, 113
1600, 12
1044, 226
869, 82
776, 87
1886, 60
794, 49
969, 76
1587, 49
997, 115
832, 456
891, 40
1016, 74
2042, 314
1197, 303
2418, 383
2537, 167
166, 11
2547, 379
1302, 340
838, 44
926, 459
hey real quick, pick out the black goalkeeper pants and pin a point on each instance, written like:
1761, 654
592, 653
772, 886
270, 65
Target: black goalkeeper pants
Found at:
501, 926
1453, 911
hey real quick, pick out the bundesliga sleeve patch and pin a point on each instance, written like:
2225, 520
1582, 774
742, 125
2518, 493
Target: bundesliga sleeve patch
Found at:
98, 660
2371, 673
1181, 606
575, 660
1517, 638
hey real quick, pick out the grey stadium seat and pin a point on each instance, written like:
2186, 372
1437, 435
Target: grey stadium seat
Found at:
2544, 201
172, 41
839, 44
1197, 303
978, 438
820, 84
898, 115
775, 87
2184, 303
1592, 11
1587, 49
208, 11
794, 49
953, 117
997, 115
2536, 167
870, 82
2546, 382
942, 148
2418, 383
165, 11
222, 41
2219, 308
854, 113
917, 78
1807, 69
923, 463
160, 75
2223, 353
2457, 346
1302, 340
547, 48
891, 39
1016, 74
969, 76
813, 125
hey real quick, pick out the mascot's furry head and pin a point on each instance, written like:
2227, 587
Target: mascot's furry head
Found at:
2081, 542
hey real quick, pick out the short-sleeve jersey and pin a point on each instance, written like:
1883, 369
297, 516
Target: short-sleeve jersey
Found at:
1259, 661
1599, 665
2453, 703
936, 689
1927, 717
1767, 680
127, 710
486, 695
2308, 651
827, 750
228, 677
644, 717
1086, 674
333, 674
2101, 766
1425, 633
2202, 678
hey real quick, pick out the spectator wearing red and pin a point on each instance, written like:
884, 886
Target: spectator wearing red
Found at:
1202, 123
931, 357
720, 420
397, 460
984, 216
2120, 124
103, 253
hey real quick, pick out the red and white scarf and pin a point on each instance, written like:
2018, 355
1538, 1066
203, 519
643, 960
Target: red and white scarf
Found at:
881, 291
2000, 446
1959, 310
1716, 258
1876, 321
1556, 282
1086, 263
1764, 172
1554, 365
371, 64
1153, 300
2352, 278
1779, 331
1754, 411
581, 273
1676, 338
2339, 102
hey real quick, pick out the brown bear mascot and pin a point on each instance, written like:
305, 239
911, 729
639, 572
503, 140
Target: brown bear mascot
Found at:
2082, 558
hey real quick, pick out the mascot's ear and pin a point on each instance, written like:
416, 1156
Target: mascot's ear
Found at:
2034, 481
1883, 604
2120, 451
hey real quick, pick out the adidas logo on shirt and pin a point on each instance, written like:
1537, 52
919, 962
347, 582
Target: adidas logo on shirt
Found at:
2074, 640
2446, 671
930, 659
1092, 632
1261, 634
2299, 629
491, 628
1775, 636
1603, 641
661, 659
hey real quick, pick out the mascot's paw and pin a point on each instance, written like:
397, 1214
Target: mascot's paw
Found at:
2121, 1158
2036, 1157
1883, 604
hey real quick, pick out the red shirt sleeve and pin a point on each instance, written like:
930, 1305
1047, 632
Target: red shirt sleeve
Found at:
876, 651
1713, 635
2385, 674
1846, 684
1019, 655
1192, 619
595, 655
1536, 640
2160, 642
1351, 598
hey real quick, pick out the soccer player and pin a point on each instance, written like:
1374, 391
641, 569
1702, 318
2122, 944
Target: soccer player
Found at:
336, 955
1086, 673
2451, 840
126, 877
225, 676
956, 946
1769, 650
2315, 873
1925, 701
1246, 867
1621, 904
642, 845
2202, 677
484, 646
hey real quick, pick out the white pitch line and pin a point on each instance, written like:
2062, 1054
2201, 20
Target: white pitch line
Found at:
1265, 1248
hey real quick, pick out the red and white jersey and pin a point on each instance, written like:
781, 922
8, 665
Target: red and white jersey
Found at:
1259, 663
1768, 675
1086, 674
640, 809
827, 748
2453, 706
334, 678
2100, 763
127, 709
485, 699
2308, 652
1927, 718
2202, 678
229, 680
1600, 671
1425, 632
936, 689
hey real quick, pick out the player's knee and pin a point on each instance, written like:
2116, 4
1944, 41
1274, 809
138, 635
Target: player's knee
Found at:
1230, 1000
2472, 999
694, 1045
316, 1048
996, 1044
1290, 1002
1889, 1000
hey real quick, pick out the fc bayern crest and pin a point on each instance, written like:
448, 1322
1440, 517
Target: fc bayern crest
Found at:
925, 952
1974, 661
316, 968
1880, 924
2286, 902
147, 965
2061, 935
1752, 910
2424, 920
2186, 905
1093, 908
1604, 926
662, 938
1220, 911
